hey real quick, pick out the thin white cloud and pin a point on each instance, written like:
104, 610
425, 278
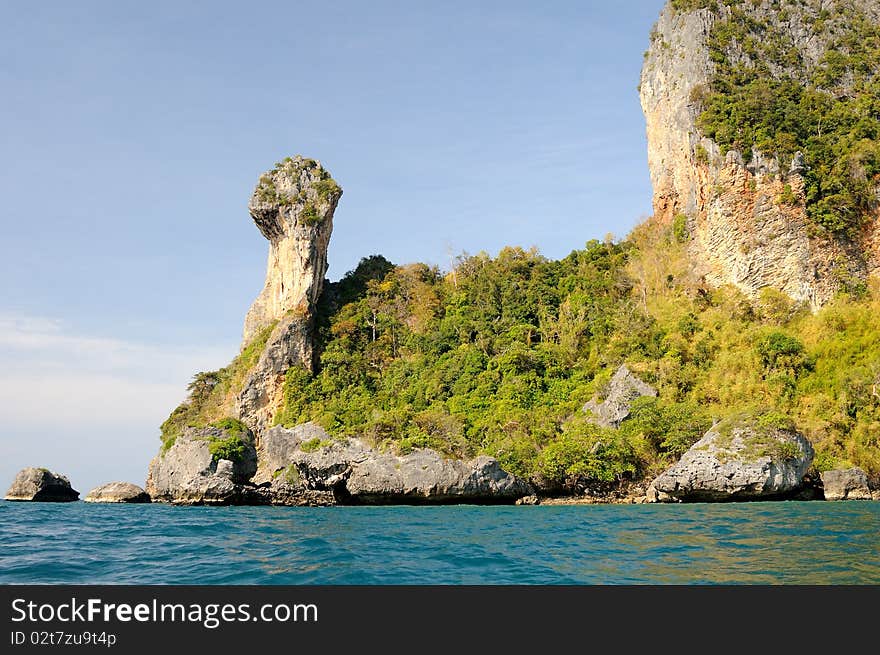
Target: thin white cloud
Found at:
87, 406
36, 343
51, 373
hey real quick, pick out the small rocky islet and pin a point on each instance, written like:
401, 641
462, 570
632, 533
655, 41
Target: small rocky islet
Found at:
744, 215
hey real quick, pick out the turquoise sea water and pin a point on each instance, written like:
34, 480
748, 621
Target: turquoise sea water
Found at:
787, 543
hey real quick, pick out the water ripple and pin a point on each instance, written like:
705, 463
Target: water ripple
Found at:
765, 543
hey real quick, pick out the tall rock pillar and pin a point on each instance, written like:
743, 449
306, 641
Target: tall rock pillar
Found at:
293, 207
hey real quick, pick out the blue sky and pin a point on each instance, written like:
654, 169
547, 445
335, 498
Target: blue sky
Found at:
133, 134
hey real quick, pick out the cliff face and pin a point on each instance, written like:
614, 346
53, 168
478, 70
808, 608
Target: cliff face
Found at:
748, 213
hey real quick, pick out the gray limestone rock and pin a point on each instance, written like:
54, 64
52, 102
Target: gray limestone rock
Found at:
118, 492
846, 484
292, 206
41, 485
280, 492
623, 389
187, 473
738, 459
425, 476
306, 458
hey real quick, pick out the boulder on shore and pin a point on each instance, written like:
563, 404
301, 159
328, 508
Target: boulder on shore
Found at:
425, 476
118, 492
306, 459
41, 485
188, 473
846, 484
748, 457
623, 389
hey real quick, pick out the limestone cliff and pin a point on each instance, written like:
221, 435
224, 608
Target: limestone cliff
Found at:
747, 212
293, 207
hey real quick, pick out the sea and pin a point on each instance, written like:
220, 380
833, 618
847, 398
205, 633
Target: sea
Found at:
742, 543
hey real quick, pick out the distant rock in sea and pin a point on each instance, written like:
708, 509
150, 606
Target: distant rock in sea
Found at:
41, 485
117, 492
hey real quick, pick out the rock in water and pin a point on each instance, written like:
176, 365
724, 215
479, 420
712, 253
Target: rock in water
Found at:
306, 458
425, 476
623, 389
188, 473
293, 207
41, 485
846, 484
742, 458
318, 460
117, 492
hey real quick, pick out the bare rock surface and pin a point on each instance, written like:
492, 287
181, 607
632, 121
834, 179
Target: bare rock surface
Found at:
623, 389
188, 473
738, 459
307, 458
118, 492
846, 484
292, 206
739, 232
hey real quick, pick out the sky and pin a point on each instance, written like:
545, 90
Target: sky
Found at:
133, 133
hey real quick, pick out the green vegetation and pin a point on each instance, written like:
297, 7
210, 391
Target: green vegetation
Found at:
310, 214
314, 444
232, 426
325, 187
211, 394
231, 447
762, 432
831, 115
499, 355
680, 228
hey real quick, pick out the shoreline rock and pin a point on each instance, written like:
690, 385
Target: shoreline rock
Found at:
117, 492
189, 473
304, 466
41, 485
846, 484
741, 458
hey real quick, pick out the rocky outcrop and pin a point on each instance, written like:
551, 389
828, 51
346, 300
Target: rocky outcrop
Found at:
317, 460
305, 466
117, 492
41, 485
742, 230
305, 458
289, 344
614, 408
425, 476
293, 207
189, 473
742, 458
846, 484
